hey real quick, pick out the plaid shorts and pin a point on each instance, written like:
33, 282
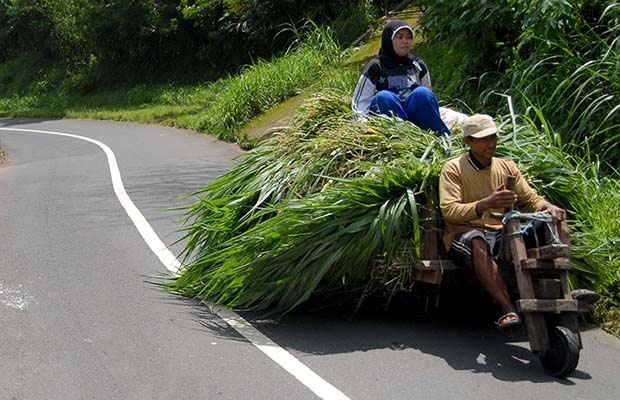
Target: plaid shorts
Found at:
460, 250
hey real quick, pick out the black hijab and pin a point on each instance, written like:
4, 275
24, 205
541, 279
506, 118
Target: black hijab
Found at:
387, 49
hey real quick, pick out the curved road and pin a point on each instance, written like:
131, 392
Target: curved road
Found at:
79, 318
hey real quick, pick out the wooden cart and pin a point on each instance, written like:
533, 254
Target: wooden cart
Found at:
544, 300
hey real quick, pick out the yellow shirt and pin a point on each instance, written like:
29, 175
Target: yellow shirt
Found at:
462, 184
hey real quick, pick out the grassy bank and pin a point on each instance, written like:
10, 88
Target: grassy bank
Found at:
217, 108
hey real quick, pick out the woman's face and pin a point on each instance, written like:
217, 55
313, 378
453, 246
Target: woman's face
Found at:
402, 42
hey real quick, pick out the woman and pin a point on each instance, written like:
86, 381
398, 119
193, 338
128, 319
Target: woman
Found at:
398, 83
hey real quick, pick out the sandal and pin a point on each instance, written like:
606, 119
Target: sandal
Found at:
503, 325
587, 296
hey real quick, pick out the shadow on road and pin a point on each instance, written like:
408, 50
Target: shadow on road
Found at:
461, 332
8, 122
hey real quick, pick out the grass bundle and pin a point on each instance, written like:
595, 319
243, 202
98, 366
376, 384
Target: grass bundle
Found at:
325, 242
310, 210
328, 204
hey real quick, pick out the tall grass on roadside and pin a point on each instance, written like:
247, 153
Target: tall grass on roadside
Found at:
571, 183
171, 104
560, 57
265, 84
597, 246
218, 108
597, 234
575, 82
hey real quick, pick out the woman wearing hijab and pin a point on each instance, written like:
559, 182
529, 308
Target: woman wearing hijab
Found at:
398, 83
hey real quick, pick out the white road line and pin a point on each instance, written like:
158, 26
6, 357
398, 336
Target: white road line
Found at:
283, 358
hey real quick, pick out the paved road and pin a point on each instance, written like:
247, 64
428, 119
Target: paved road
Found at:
79, 319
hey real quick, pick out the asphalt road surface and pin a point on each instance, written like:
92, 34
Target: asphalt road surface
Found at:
81, 319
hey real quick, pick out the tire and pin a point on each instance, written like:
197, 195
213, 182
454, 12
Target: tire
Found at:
563, 355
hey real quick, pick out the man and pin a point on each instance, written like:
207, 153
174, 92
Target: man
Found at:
472, 187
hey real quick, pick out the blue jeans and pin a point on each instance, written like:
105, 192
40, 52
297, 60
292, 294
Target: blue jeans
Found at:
420, 108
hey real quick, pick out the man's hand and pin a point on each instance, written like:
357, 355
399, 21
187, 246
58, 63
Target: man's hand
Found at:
500, 198
556, 212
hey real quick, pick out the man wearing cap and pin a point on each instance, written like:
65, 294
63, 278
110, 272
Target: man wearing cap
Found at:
471, 187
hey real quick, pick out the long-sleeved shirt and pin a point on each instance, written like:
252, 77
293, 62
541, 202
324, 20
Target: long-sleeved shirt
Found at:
398, 75
463, 182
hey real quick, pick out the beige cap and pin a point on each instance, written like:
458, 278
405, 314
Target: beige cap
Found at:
479, 126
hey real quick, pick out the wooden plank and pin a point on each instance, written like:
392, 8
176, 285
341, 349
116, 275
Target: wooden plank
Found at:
535, 322
537, 332
556, 306
430, 247
534, 264
565, 286
428, 271
518, 253
431, 271
562, 230
549, 252
432, 265
546, 288
432, 277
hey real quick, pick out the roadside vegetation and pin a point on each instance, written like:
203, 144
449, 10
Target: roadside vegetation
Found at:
329, 208
219, 108
557, 59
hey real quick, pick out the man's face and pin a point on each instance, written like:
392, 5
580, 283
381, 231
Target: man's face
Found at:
402, 42
482, 148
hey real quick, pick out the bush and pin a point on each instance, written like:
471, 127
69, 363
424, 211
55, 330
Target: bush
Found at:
24, 28
353, 22
265, 84
555, 58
